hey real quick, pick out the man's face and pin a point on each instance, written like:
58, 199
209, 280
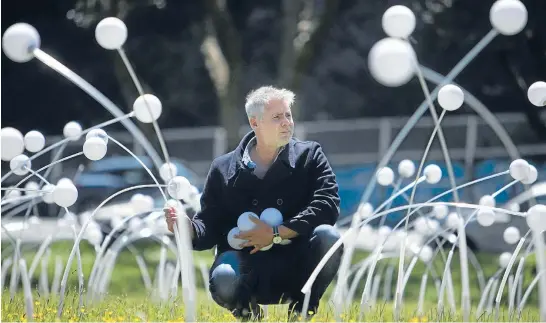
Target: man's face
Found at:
275, 127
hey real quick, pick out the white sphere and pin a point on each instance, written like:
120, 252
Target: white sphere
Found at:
72, 130
385, 176
233, 242
179, 188
97, 133
271, 216
65, 193
536, 218
93, 234
94, 148
147, 108
266, 247
392, 62
537, 94
532, 176
508, 17
135, 223
244, 223
32, 188
12, 194
111, 33
365, 210
504, 259
426, 254
13, 143
433, 174
406, 168
19, 42
34, 141
450, 97
420, 225
514, 207
440, 211
453, 220
511, 235
384, 231
485, 217
487, 200
167, 171
398, 21
47, 196
142, 203
519, 169
20, 165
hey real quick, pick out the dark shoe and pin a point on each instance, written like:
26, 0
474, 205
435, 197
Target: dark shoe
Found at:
249, 315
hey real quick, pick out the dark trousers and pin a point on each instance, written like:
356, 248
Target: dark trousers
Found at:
276, 276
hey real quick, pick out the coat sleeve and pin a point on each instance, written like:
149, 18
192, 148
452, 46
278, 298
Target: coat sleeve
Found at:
204, 222
324, 205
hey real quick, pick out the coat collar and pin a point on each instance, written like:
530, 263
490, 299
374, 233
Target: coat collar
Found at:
241, 163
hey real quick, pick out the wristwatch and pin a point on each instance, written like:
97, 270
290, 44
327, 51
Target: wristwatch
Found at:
276, 236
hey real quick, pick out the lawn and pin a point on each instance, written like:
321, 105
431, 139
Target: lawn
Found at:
128, 300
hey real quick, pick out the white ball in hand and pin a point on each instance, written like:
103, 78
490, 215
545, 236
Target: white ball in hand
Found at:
271, 216
398, 21
34, 141
111, 33
537, 94
233, 242
147, 108
13, 143
244, 223
19, 42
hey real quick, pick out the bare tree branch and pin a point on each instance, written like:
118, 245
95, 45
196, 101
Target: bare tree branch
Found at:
227, 35
287, 61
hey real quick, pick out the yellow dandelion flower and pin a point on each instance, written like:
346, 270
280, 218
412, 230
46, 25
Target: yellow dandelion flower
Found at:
36, 303
424, 319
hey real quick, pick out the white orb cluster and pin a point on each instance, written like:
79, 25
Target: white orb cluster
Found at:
271, 216
537, 94
450, 97
20, 165
13, 143
19, 42
111, 33
522, 171
147, 108
406, 168
392, 62
34, 141
508, 17
398, 21
385, 176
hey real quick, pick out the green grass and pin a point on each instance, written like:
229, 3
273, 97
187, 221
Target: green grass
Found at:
128, 300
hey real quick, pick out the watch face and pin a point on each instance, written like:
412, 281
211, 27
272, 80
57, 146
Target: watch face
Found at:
277, 240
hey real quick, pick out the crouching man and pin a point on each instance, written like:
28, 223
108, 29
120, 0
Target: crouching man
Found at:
269, 169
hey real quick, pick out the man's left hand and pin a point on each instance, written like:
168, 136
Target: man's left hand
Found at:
259, 237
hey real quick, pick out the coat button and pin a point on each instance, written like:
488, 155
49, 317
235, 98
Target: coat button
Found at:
279, 201
254, 202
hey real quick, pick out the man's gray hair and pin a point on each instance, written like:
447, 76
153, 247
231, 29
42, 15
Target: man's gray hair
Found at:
257, 99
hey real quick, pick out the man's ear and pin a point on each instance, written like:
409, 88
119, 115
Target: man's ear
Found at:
253, 122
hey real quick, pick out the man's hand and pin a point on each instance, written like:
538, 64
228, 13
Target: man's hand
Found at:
259, 237
170, 217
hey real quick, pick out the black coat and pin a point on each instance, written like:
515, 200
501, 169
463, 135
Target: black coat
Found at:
300, 184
